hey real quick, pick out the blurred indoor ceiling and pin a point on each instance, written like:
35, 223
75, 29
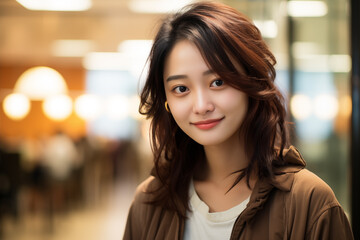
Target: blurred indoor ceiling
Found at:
42, 37
28, 37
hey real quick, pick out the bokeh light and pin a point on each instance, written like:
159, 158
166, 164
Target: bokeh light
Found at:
326, 106
345, 106
16, 106
117, 107
38, 83
88, 106
57, 107
300, 106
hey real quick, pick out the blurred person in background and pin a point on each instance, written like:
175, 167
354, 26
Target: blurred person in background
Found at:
223, 165
60, 158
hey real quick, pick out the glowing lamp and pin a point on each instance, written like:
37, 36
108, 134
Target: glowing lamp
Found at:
57, 107
56, 5
16, 106
38, 83
300, 106
326, 107
307, 8
88, 106
345, 106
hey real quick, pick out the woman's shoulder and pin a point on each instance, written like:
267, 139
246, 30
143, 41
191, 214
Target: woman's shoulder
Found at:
307, 186
144, 189
313, 201
301, 182
142, 201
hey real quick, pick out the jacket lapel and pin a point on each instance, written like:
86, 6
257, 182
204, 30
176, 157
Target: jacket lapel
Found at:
283, 180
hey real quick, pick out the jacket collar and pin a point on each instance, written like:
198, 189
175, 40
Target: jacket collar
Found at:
284, 175
283, 180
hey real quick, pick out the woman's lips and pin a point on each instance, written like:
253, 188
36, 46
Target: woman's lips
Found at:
207, 124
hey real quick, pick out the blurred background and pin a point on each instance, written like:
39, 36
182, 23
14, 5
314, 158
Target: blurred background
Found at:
73, 146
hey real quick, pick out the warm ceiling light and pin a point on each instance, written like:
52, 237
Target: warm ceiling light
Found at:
323, 62
137, 46
56, 5
307, 8
37, 83
340, 63
157, 6
268, 28
57, 107
106, 61
71, 48
300, 106
16, 106
88, 106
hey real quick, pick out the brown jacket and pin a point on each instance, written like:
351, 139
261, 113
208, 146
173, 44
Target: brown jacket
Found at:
297, 205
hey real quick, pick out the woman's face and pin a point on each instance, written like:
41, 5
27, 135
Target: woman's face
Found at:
207, 109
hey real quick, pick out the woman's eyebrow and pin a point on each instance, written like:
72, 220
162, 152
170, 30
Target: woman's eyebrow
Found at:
175, 77
208, 72
182, 76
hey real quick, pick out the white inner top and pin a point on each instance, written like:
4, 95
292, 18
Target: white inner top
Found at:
201, 224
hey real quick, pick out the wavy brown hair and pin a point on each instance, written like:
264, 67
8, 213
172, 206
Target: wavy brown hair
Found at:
233, 47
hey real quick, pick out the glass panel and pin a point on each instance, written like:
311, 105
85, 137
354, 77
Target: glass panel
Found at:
313, 71
321, 72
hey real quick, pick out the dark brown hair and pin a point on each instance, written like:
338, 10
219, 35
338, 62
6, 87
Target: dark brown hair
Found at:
233, 48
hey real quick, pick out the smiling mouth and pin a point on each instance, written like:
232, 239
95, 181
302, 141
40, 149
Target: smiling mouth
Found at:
207, 124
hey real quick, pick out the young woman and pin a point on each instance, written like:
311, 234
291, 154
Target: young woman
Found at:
223, 169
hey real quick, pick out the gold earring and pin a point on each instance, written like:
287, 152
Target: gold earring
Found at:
167, 106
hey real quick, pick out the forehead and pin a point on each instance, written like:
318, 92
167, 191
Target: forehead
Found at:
184, 58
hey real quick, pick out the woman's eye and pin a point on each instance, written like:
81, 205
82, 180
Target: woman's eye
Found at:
217, 83
180, 89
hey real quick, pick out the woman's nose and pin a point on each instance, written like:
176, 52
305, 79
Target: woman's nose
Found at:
202, 103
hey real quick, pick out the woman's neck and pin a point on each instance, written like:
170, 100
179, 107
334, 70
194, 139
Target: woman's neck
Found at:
214, 184
224, 159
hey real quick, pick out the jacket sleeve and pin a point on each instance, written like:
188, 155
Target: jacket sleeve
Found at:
132, 229
331, 224
135, 224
